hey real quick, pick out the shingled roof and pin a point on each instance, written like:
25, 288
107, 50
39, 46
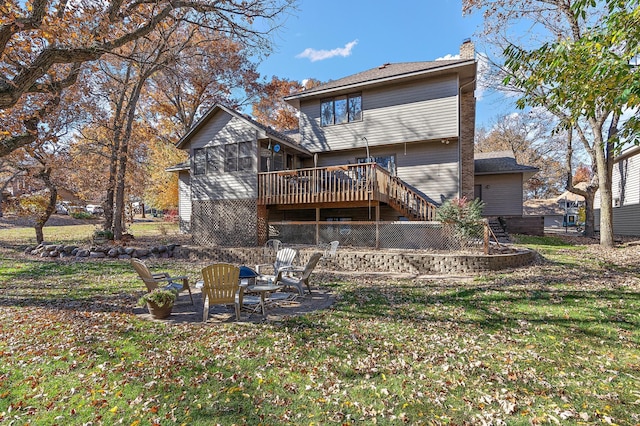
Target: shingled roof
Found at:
499, 162
383, 73
290, 140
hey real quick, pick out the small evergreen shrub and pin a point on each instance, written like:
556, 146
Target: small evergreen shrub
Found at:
464, 215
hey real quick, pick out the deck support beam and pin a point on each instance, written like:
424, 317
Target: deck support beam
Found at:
317, 226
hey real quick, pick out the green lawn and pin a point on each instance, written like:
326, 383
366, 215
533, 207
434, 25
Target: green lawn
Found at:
555, 343
78, 234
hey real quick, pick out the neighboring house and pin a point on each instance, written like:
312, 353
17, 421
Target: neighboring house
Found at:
385, 145
626, 194
547, 209
560, 211
499, 180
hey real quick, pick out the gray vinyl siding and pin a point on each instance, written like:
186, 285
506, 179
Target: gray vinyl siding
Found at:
501, 194
626, 181
407, 112
431, 168
184, 196
625, 187
223, 129
626, 220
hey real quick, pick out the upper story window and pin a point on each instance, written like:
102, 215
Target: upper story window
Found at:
199, 161
206, 160
341, 109
237, 156
230, 158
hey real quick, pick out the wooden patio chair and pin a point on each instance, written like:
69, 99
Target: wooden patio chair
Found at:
284, 259
161, 279
221, 287
304, 274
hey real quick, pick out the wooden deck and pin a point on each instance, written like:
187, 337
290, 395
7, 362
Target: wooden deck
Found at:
342, 185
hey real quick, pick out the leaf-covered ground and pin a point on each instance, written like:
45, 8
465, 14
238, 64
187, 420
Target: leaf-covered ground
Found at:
554, 343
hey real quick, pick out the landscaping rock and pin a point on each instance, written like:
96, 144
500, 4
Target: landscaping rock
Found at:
97, 255
113, 252
141, 253
83, 253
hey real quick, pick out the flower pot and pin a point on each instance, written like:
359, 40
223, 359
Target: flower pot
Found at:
159, 312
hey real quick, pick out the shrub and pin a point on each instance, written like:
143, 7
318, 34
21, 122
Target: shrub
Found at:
103, 234
158, 296
464, 215
81, 215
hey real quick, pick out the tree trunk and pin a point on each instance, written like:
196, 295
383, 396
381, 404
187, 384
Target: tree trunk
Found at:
41, 220
123, 157
118, 124
589, 216
604, 160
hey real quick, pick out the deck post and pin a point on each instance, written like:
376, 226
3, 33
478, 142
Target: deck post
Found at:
263, 224
377, 225
317, 226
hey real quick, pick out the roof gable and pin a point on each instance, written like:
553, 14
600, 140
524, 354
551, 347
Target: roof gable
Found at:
265, 131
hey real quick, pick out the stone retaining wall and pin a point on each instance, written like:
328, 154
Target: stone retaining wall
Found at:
417, 263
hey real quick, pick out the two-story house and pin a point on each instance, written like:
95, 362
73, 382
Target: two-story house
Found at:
626, 194
387, 144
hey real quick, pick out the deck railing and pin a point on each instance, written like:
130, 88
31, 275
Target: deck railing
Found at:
351, 182
342, 183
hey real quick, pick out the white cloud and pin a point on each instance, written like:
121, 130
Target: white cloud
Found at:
320, 55
447, 57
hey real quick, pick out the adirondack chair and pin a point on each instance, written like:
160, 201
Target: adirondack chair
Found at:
221, 287
300, 276
161, 279
284, 259
331, 249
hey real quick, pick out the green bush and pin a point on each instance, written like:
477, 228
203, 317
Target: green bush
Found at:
464, 215
104, 234
81, 215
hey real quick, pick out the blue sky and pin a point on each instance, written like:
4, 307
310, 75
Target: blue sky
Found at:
330, 39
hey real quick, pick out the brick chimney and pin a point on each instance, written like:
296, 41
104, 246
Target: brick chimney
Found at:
467, 50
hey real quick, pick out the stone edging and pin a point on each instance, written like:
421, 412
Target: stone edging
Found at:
395, 261
101, 252
373, 261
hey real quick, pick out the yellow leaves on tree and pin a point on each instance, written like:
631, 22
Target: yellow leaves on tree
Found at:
162, 186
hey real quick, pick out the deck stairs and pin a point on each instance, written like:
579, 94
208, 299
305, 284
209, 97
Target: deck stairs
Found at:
408, 202
498, 232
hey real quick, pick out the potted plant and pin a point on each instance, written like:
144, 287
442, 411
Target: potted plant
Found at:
159, 302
